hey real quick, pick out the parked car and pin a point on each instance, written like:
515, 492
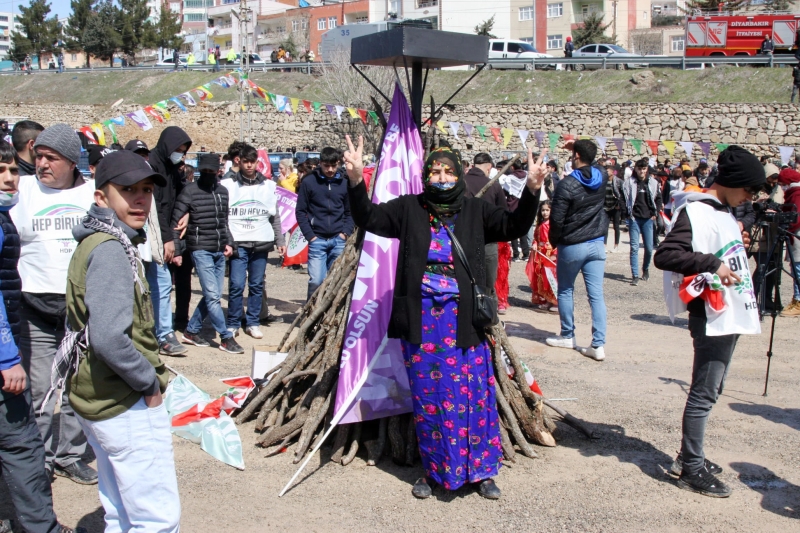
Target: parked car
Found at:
606, 50
167, 62
502, 49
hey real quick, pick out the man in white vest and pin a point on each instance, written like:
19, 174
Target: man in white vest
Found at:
705, 256
256, 228
50, 204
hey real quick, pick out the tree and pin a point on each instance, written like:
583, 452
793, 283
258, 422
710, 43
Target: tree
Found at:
39, 33
165, 33
82, 12
290, 45
485, 28
592, 31
646, 43
710, 6
778, 5
132, 25
101, 39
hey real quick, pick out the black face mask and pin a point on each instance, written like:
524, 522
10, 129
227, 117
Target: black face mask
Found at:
207, 177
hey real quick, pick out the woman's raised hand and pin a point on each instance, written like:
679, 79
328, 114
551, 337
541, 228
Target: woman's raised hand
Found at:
537, 170
353, 161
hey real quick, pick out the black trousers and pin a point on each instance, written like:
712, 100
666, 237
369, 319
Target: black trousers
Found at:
183, 290
614, 217
712, 357
22, 462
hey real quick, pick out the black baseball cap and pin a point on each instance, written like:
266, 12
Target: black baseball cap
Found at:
208, 162
124, 167
98, 152
137, 146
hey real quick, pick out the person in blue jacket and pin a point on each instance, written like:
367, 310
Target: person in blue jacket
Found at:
21, 446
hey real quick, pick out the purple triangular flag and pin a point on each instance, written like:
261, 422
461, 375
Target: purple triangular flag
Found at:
705, 147
539, 136
468, 128
331, 109
619, 143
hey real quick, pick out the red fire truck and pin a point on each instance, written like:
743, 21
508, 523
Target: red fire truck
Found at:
739, 34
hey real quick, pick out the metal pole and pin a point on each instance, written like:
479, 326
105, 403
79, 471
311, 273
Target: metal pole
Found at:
416, 93
534, 24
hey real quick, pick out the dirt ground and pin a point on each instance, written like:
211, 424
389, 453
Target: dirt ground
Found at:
617, 483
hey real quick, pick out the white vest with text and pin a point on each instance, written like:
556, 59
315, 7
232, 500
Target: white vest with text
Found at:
249, 210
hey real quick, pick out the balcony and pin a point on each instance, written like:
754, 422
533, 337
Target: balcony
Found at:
427, 3
580, 17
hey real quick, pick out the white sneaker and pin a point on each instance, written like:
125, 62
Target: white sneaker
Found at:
598, 354
561, 342
254, 332
234, 331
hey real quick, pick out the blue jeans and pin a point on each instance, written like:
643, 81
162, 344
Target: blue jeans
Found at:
210, 268
590, 259
644, 227
321, 255
250, 267
160, 280
796, 279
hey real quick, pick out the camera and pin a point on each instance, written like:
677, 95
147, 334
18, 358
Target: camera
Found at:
772, 213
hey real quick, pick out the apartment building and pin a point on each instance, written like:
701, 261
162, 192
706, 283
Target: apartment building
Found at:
8, 23
448, 15
224, 28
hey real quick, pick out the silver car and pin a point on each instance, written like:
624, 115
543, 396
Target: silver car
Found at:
608, 51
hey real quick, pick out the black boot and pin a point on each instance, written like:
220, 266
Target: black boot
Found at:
421, 489
489, 490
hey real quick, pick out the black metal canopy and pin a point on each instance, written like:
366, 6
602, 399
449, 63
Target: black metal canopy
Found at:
419, 49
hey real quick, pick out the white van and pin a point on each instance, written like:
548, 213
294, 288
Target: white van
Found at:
500, 49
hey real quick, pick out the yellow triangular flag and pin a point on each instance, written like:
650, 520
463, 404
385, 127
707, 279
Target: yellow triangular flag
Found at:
294, 101
670, 146
507, 133
353, 112
440, 125
97, 128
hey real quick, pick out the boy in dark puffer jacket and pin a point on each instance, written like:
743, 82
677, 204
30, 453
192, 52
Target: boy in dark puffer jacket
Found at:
210, 243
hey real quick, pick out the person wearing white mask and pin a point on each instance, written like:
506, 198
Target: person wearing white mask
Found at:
166, 158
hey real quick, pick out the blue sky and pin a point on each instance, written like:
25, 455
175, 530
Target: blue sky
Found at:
62, 7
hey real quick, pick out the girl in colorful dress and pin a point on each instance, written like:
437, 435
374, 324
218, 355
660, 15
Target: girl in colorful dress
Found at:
448, 360
542, 259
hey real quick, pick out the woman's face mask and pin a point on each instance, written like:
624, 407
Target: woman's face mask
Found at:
176, 157
443, 186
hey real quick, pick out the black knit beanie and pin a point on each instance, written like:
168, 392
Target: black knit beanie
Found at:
738, 169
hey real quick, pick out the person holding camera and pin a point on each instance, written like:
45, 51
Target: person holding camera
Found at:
765, 234
708, 247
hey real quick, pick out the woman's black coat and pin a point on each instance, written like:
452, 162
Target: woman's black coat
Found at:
405, 218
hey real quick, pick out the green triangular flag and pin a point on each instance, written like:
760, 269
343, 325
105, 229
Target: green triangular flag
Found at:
259, 103
481, 130
108, 124
317, 106
721, 146
374, 116
637, 145
553, 137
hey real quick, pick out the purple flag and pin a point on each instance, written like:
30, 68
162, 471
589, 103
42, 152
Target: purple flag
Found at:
705, 147
372, 376
287, 203
619, 143
539, 136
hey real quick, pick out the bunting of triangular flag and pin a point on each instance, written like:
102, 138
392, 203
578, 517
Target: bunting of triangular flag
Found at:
140, 119
601, 142
705, 147
539, 136
721, 146
495, 133
339, 110
507, 134
468, 129
687, 146
670, 146
481, 131
110, 125
653, 146
786, 153
189, 98
619, 143
553, 138
454, 129
97, 128
523, 136
637, 145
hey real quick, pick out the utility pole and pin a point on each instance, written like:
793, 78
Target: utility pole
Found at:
534, 24
245, 16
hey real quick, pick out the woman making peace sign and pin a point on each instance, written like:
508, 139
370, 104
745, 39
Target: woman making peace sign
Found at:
448, 360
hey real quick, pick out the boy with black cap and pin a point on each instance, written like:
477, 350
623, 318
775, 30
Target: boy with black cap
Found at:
116, 389
705, 255
138, 147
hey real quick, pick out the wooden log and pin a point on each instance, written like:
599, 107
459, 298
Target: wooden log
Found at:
375, 447
269, 388
351, 453
396, 440
282, 446
272, 437
505, 408
340, 442
508, 447
268, 410
299, 374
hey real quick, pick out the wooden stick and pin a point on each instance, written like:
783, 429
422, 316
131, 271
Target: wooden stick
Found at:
496, 177
396, 440
375, 448
340, 442
351, 454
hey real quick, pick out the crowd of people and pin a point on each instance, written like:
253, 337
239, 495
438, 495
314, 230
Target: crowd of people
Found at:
145, 219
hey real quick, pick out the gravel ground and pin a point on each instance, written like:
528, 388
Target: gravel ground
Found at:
617, 483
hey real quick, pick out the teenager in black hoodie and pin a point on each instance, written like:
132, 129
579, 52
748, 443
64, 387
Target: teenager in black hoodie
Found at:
166, 159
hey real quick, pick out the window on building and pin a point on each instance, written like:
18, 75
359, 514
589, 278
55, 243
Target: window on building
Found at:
393, 6
427, 3
230, 1
304, 24
194, 17
228, 44
526, 13
362, 20
175, 7
678, 43
331, 22
555, 10
554, 42
192, 4
74, 57
321, 24
295, 25
4, 18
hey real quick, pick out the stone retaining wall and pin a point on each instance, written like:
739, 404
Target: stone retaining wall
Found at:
761, 128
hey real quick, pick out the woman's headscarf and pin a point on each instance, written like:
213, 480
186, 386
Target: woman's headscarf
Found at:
443, 203
788, 176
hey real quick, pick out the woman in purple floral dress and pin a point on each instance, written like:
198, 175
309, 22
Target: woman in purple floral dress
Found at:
448, 361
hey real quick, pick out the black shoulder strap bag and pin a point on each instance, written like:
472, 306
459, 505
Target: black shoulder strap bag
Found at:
484, 305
